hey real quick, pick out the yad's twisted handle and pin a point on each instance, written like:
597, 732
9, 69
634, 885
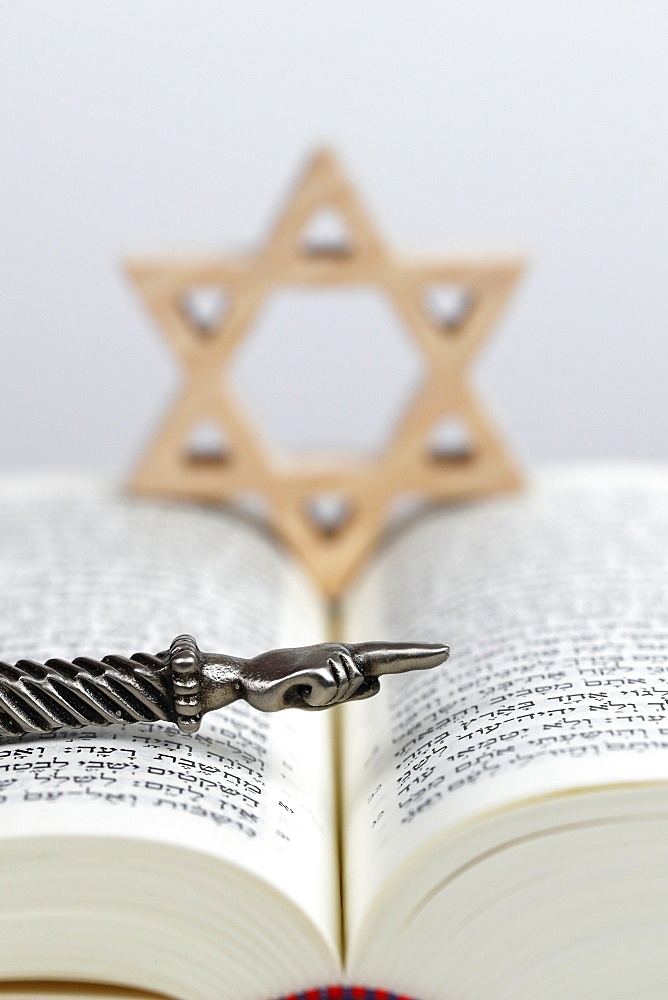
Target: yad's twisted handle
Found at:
41, 697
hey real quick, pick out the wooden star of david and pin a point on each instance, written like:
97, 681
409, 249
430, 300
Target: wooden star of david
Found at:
331, 512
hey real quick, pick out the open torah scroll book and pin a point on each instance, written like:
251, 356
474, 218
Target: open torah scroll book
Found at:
496, 829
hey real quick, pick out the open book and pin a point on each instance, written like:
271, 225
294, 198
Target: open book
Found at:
497, 828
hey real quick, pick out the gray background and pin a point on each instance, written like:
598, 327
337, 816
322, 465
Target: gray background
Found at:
166, 126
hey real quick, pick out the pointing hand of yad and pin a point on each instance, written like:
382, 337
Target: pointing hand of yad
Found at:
182, 684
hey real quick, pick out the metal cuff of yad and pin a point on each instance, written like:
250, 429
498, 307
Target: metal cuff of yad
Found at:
182, 683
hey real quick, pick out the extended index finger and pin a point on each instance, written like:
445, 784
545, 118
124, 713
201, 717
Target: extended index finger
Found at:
377, 658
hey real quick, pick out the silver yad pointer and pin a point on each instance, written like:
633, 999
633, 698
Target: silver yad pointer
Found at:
182, 684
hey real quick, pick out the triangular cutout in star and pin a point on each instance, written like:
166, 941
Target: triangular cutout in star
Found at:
326, 234
448, 306
207, 444
204, 308
324, 199
450, 441
328, 513
329, 557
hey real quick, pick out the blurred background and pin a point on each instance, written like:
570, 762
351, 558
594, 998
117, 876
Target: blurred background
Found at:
170, 126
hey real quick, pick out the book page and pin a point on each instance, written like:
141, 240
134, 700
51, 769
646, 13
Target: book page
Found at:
85, 570
555, 605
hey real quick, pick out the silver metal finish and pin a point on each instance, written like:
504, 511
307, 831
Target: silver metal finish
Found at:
182, 684
38, 698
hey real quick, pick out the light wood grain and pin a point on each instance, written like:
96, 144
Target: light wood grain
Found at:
365, 487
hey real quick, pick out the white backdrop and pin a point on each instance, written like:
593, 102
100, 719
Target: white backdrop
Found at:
172, 125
